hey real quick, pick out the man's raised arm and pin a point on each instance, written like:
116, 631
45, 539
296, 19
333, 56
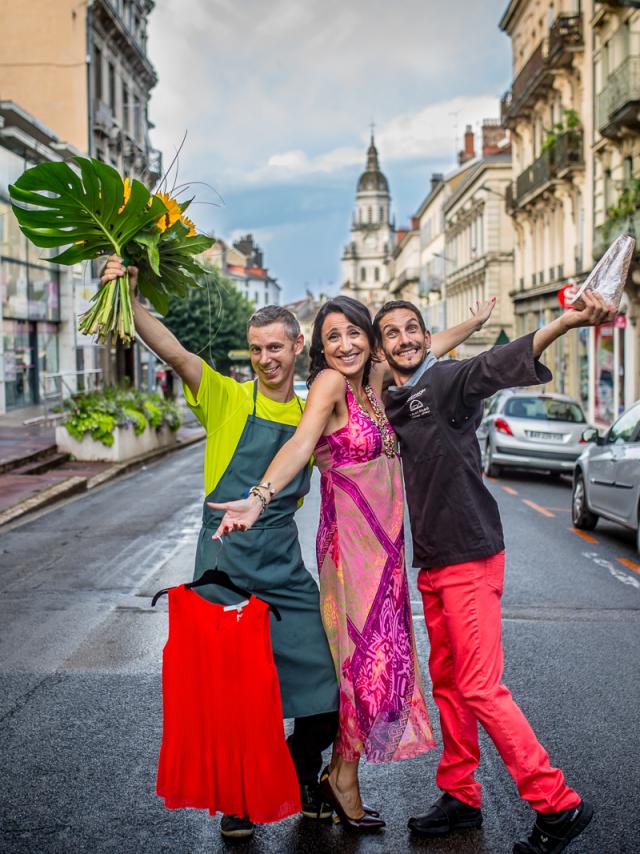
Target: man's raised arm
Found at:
154, 333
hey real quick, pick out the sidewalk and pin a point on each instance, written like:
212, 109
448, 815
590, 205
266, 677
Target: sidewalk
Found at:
34, 475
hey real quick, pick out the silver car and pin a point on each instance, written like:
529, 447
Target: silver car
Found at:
531, 430
606, 480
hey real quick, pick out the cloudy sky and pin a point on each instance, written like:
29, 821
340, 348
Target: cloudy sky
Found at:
276, 98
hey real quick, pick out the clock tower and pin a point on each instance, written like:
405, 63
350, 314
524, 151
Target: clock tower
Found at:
364, 260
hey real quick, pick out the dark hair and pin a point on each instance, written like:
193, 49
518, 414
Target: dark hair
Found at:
354, 311
275, 314
393, 305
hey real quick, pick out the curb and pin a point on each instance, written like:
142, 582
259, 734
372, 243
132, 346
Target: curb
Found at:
75, 484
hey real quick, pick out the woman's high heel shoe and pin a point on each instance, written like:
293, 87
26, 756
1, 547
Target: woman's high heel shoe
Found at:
366, 824
369, 810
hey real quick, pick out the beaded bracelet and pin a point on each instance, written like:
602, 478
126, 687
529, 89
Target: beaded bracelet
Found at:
263, 501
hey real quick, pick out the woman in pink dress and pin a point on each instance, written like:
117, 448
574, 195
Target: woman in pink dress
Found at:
364, 592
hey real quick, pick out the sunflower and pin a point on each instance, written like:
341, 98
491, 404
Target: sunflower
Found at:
189, 224
127, 193
173, 214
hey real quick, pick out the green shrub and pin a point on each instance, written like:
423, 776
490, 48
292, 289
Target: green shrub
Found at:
98, 413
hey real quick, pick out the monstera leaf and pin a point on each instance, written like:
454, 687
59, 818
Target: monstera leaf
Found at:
87, 211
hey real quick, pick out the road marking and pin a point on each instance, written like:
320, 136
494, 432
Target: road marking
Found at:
618, 574
509, 490
537, 507
560, 509
629, 564
584, 536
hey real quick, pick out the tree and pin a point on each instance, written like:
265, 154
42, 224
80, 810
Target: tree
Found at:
211, 320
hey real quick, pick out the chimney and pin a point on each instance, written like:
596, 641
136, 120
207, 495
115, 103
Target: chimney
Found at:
468, 152
495, 139
436, 178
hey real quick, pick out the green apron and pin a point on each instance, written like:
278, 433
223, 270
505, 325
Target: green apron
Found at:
267, 561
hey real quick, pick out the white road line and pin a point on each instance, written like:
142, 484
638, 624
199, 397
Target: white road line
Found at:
618, 574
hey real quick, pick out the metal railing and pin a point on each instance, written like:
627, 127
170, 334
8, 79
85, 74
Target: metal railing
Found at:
622, 88
565, 37
605, 234
566, 153
55, 389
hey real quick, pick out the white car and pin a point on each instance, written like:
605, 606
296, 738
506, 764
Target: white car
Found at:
300, 388
606, 479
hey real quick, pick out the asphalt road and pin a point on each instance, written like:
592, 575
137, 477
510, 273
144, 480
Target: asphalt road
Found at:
80, 701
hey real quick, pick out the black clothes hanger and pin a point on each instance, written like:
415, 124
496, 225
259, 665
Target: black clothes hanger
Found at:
219, 577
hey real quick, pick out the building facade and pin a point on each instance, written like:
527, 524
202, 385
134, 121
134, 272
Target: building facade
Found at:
243, 263
42, 351
83, 70
403, 266
614, 37
479, 247
547, 112
365, 274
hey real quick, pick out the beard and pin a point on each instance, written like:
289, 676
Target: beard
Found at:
406, 370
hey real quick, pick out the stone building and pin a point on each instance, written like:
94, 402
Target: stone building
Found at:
364, 260
243, 263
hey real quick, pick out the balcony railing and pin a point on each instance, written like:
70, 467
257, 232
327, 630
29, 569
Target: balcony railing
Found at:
618, 105
565, 154
565, 38
533, 78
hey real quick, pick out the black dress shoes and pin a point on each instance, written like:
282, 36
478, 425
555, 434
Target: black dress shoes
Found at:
552, 833
447, 814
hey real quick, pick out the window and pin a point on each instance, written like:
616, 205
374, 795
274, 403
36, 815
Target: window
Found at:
626, 427
544, 409
376, 274
381, 214
137, 119
363, 274
369, 215
256, 298
97, 73
125, 107
628, 168
112, 87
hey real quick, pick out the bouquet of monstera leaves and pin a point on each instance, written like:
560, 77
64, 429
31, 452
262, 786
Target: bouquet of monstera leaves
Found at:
95, 212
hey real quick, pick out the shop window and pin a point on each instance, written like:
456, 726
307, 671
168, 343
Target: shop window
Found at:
13, 244
14, 287
44, 293
19, 363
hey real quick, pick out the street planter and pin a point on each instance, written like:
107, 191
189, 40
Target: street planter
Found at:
126, 444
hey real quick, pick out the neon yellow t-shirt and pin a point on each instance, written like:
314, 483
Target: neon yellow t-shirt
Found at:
222, 406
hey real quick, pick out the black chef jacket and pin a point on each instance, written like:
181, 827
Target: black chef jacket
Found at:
454, 518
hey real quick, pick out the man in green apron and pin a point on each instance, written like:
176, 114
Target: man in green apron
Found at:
246, 424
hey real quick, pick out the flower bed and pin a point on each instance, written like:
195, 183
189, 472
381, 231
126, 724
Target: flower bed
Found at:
117, 424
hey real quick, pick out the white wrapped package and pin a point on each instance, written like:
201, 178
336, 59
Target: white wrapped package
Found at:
609, 276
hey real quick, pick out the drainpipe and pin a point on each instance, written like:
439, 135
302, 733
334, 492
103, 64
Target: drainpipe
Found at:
90, 99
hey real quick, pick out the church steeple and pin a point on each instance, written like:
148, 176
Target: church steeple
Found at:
372, 156
372, 179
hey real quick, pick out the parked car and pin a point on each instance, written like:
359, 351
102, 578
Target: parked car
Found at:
606, 479
531, 430
300, 388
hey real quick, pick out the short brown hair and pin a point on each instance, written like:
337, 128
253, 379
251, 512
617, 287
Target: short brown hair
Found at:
393, 305
275, 314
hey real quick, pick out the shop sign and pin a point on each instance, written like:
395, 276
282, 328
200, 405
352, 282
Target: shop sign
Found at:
565, 292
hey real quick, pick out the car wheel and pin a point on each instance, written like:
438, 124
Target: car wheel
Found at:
581, 516
490, 468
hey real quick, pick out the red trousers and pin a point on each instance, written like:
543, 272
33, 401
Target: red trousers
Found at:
463, 616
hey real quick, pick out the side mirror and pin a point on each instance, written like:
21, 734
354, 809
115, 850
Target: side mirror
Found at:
590, 435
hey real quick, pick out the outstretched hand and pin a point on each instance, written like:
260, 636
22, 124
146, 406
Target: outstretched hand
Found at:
482, 311
115, 268
239, 515
595, 312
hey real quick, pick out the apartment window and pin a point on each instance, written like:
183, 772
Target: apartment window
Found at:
256, 298
376, 274
97, 73
112, 87
363, 274
627, 167
137, 118
125, 107
608, 188
606, 61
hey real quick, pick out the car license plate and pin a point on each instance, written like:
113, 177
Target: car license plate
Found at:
546, 437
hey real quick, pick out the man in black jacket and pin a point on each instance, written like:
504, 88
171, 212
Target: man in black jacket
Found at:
435, 409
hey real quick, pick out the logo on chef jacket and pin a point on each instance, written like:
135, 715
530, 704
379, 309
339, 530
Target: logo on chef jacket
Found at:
418, 409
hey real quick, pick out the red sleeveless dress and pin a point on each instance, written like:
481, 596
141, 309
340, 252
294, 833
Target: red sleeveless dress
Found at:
223, 746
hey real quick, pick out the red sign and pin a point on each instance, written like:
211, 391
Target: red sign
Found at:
565, 292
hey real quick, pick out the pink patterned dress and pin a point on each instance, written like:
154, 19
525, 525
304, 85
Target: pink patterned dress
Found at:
364, 593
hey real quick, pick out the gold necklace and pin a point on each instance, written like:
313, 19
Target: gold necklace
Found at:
379, 419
